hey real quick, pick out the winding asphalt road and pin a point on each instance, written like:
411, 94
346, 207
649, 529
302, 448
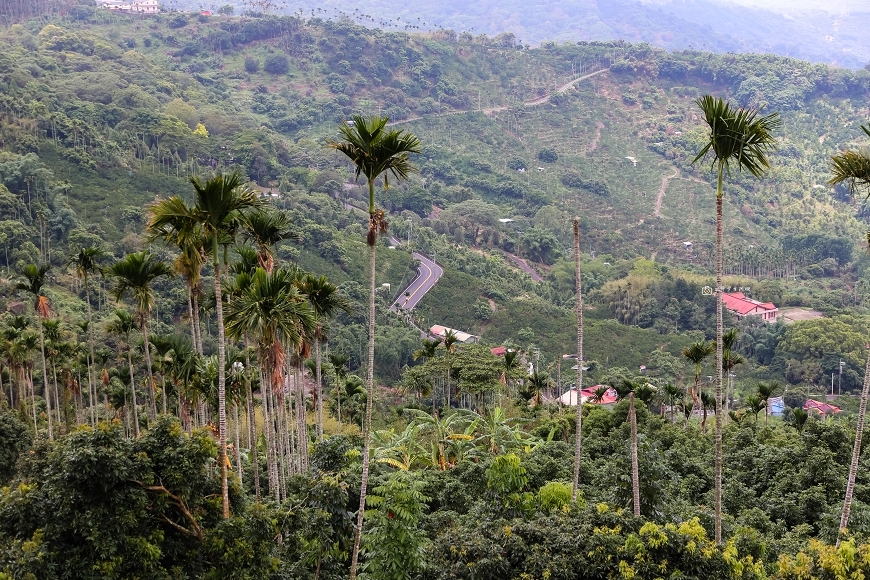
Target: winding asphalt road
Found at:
427, 275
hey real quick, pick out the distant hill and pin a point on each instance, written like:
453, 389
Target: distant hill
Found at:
834, 36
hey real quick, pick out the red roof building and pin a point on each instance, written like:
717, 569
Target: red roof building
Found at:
588, 396
499, 350
742, 306
821, 408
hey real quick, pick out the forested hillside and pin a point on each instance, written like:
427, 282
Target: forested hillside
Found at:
153, 339
830, 33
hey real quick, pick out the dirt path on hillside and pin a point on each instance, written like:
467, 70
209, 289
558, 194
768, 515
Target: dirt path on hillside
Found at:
524, 266
594, 145
661, 197
534, 102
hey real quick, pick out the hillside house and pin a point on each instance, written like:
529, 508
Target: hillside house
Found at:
439, 331
812, 406
131, 6
739, 305
587, 395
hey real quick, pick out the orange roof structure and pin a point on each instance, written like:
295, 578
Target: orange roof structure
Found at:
742, 306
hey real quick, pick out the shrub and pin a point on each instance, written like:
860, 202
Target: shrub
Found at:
548, 155
252, 64
277, 64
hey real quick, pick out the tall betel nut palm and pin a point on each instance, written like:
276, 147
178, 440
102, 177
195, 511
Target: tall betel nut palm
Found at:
34, 280
214, 218
579, 410
134, 274
375, 151
853, 168
738, 137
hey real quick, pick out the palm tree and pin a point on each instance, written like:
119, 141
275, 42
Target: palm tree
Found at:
853, 168
730, 359
697, 353
122, 325
443, 432
579, 306
325, 300
799, 419
742, 138
537, 382
672, 395
708, 401
645, 392
54, 339
189, 265
765, 392
277, 315
375, 152
755, 404
134, 274
34, 279
266, 228
214, 219
85, 263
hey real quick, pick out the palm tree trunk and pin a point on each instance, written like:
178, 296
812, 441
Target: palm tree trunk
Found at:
856, 454
196, 325
370, 395
152, 400
579, 411
32, 402
635, 470
91, 388
301, 419
45, 388
717, 492
222, 393
191, 318
56, 395
237, 450
133, 390
319, 391
252, 427
338, 387
268, 433
92, 392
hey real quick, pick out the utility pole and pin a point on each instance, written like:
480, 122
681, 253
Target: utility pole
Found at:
840, 379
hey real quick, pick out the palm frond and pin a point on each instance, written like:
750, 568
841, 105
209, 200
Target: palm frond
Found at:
738, 135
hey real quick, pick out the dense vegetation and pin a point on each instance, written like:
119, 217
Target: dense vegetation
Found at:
117, 388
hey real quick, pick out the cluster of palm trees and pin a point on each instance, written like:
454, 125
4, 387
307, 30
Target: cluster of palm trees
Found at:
275, 318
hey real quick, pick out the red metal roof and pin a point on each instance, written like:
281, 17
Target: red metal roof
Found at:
499, 350
821, 408
739, 303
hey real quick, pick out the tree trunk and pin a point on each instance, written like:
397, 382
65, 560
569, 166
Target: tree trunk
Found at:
856, 453
579, 410
319, 391
45, 388
196, 325
370, 395
91, 388
133, 390
717, 492
252, 428
151, 398
222, 393
237, 450
635, 470
56, 396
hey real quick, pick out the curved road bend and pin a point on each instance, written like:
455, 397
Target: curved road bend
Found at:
427, 275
